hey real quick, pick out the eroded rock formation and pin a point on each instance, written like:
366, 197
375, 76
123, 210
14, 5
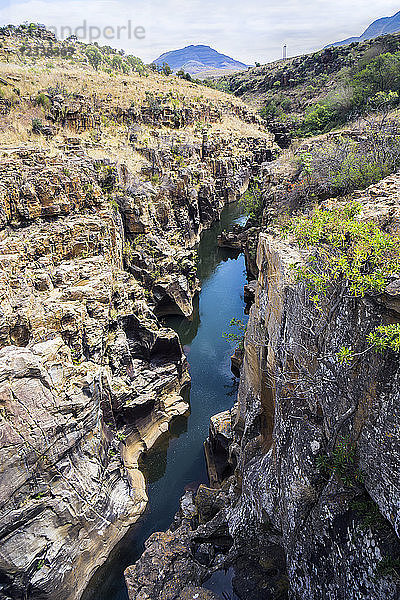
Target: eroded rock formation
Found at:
311, 510
92, 253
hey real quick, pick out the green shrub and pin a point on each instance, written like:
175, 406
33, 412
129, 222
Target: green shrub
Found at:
318, 119
116, 62
166, 69
94, 56
36, 125
385, 336
382, 74
252, 202
285, 103
270, 111
43, 100
236, 336
352, 252
341, 463
136, 64
341, 165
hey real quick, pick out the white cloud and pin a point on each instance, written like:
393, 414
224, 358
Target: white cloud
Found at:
248, 31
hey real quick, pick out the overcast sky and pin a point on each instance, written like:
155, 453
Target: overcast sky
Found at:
247, 30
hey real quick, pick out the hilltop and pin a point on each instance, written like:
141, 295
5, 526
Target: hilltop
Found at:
314, 92
197, 59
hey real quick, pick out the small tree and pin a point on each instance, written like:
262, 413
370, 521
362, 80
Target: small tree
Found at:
136, 64
381, 75
116, 62
270, 111
94, 57
252, 202
166, 69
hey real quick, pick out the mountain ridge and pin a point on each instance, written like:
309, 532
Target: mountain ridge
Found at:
382, 26
197, 58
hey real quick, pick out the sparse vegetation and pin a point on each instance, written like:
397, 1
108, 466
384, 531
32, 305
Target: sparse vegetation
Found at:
385, 337
345, 163
341, 463
238, 333
252, 202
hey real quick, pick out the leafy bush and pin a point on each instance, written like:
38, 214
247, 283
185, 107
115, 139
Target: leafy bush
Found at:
43, 100
94, 56
252, 202
356, 253
238, 335
385, 336
270, 111
36, 125
344, 164
341, 463
382, 74
285, 103
181, 73
155, 105
136, 64
317, 119
370, 86
166, 69
116, 62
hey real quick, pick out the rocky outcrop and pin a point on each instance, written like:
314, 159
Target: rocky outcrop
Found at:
181, 559
89, 380
298, 403
65, 494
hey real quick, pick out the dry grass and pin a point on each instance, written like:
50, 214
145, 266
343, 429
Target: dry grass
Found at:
124, 89
231, 125
26, 80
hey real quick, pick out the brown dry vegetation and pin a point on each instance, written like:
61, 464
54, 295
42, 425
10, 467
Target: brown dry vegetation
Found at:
116, 90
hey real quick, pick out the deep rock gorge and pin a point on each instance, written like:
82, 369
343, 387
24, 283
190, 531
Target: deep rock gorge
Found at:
286, 525
107, 181
92, 254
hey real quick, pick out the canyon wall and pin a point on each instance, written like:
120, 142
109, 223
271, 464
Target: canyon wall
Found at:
298, 403
92, 254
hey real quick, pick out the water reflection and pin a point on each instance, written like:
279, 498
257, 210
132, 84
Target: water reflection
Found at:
154, 462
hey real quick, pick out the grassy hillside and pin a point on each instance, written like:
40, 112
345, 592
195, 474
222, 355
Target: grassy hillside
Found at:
114, 107
315, 92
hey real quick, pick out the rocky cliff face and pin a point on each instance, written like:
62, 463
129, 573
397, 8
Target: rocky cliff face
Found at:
309, 456
92, 252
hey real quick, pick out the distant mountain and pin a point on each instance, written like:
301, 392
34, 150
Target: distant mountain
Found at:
380, 27
195, 59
